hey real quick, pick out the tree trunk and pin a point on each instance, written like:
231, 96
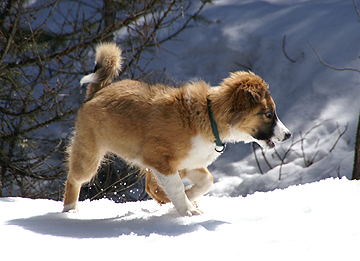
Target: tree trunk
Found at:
356, 170
109, 17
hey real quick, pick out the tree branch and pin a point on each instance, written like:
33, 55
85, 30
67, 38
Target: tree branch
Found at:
327, 65
356, 8
283, 48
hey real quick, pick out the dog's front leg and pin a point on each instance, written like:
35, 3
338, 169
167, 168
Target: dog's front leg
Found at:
174, 189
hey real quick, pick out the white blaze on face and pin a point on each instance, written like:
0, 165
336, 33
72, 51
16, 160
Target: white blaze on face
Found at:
281, 133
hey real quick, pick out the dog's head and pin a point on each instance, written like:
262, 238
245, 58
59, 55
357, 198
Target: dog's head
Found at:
248, 109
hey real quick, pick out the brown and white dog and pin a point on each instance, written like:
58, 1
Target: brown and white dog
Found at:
166, 130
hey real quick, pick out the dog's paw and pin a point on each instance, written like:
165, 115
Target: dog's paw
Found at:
194, 212
190, 211
71, 211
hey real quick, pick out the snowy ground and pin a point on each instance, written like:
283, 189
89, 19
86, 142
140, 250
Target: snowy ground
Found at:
317, 221
287, 221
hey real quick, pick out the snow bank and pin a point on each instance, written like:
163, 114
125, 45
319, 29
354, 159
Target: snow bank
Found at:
312, 221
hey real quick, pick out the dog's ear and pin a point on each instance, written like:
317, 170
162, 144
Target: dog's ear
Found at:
245, 98
245, 88
249, 93
241, 92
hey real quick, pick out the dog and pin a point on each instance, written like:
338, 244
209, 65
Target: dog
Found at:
166, 130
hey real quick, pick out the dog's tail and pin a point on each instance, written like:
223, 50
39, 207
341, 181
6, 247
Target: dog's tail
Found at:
108, 63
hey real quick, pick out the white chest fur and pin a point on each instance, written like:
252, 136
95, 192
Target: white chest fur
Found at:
202, 154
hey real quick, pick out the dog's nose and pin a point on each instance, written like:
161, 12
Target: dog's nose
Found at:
287, 136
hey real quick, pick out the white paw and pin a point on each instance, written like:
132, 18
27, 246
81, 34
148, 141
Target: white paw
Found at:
190, 211
194, 212
71, 211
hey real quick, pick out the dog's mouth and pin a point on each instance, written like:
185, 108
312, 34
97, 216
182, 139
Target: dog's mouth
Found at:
270, 144
266, 144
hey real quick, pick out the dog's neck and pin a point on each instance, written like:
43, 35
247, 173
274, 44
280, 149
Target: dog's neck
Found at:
220, 146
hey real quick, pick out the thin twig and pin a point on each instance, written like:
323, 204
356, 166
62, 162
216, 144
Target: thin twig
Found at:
256, 158
10, 40
340, 135
283, 48
246, 67
313, 159
302, 148
356, 8
266, 160
287, 152
327, 65
103, 191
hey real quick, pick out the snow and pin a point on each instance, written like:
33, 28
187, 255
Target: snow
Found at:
317, 220
304, 206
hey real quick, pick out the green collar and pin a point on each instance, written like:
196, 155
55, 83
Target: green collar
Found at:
214, 128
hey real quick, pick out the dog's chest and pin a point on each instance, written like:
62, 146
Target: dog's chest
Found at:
201, 154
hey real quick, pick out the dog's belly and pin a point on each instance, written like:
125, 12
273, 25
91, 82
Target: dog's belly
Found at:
202, 154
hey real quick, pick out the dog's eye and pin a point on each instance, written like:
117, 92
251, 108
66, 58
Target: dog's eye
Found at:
269, 114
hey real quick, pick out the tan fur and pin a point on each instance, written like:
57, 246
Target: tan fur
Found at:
109, 61
154, 190
241, 93
153, 126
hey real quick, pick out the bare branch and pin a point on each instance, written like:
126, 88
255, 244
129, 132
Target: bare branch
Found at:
283, 48
299, 152
244, 66
327, 65
356, 8
9, 40
339, 137
256, 158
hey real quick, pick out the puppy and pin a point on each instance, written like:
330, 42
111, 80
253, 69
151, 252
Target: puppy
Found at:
166, 130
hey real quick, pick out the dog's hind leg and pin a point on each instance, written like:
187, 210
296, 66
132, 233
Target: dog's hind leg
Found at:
84, 160
202, 180
154, 189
